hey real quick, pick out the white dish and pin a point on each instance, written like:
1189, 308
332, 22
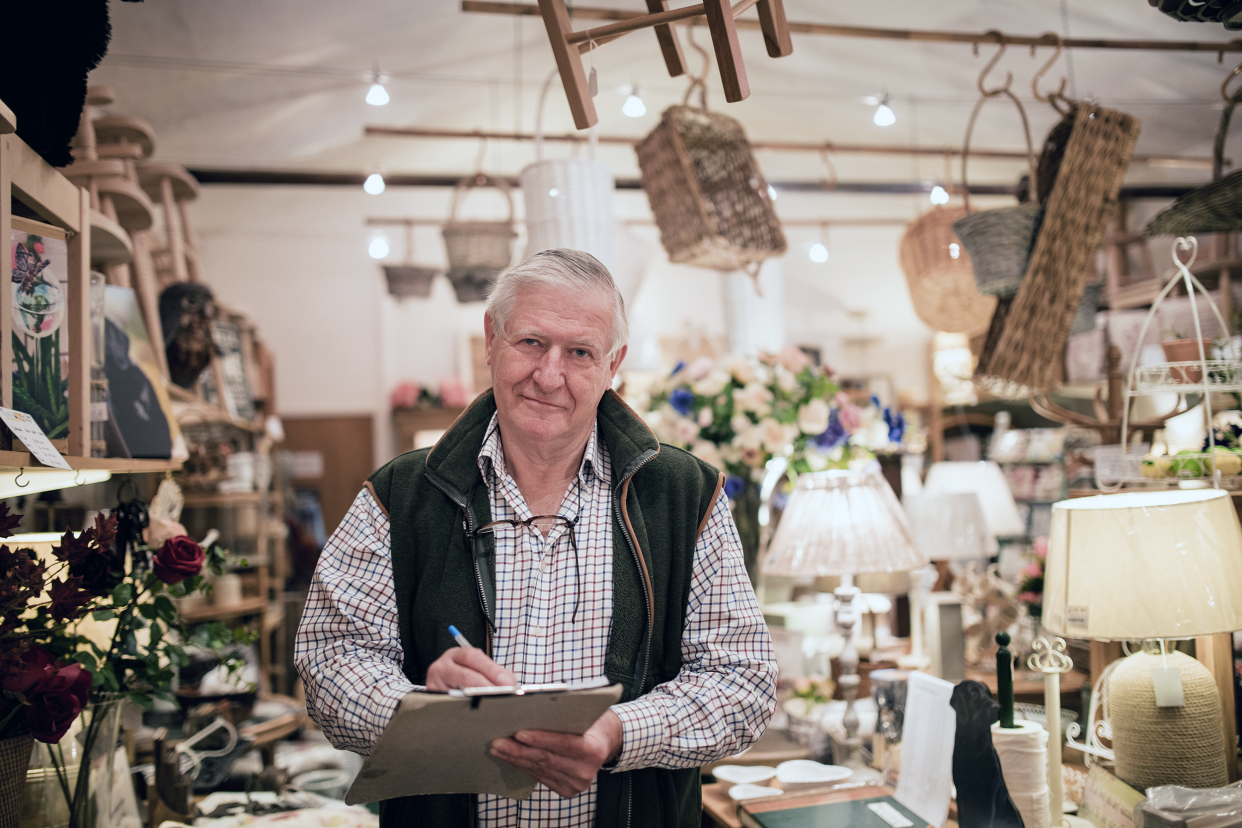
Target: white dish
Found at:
804, 773
744, 774
738, 793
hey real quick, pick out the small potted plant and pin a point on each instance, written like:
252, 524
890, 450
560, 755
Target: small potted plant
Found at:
1180, 349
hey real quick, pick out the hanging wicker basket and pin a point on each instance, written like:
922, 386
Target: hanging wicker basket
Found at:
708, 196
1027, 347
477, 250
999, 241
1212, 208
406, 281
942, 284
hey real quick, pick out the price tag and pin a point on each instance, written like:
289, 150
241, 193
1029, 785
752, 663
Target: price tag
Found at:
593, 83
1167, 682
27, 430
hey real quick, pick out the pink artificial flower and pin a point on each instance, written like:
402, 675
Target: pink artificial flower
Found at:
850, 417
454, 393
1033, 570
405, 395
1030, 598
794, 359
700, 368
1041, 547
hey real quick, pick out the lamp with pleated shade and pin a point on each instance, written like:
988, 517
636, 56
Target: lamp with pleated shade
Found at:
985, 480
843, 523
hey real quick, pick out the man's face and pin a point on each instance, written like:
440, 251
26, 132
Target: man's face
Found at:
551, 366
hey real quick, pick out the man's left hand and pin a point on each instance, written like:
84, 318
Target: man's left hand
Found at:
564, 762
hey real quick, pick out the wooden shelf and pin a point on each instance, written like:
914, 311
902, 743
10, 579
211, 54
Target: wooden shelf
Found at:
117, 465
209, 499
248, 606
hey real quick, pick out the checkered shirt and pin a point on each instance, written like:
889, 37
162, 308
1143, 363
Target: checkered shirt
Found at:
348, 648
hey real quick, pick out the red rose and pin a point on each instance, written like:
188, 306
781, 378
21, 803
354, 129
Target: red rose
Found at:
55, 703
179, 558
38, 668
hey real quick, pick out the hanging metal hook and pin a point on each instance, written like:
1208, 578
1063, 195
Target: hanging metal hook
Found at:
1220, 56
1224, 91
1043, 70
76, 474
829, 183
983, 90
20, 472
479, 177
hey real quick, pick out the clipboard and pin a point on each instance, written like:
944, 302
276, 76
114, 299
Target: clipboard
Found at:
438, 744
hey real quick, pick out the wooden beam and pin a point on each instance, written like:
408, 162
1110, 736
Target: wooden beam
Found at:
728, 50
41, 187
568, 63
8, 121
80, 342
633, 24
917, 35
670, 46
8, 152
1215, 652
775, 28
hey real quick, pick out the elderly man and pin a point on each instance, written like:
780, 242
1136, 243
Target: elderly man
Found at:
566, 543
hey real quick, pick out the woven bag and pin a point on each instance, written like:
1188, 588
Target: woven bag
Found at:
999, 241
1212, 208
1029, 348
708, 196
408, 279
939, 274
477, 250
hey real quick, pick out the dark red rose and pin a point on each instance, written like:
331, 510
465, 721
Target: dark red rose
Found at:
179, 558
56, 702
100, 570
37, 667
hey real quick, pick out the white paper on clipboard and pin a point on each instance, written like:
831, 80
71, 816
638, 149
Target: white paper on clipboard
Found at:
27, 430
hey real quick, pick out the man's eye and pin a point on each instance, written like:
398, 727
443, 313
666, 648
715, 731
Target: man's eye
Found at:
530, 341
581, 352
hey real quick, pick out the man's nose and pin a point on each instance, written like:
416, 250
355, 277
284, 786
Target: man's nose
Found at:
549, 373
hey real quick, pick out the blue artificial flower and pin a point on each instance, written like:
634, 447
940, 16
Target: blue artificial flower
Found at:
834, 435
682, 399
680, 365
896, 425
733, 486
876, 402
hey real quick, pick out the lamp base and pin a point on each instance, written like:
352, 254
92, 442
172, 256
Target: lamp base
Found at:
1166, 745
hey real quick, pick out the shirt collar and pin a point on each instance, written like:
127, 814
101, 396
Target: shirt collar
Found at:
492, 455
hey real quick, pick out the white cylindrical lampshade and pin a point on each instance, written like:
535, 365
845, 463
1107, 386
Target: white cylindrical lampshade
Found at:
569, 204
1164, 564
988, 483
842, 523
948, 526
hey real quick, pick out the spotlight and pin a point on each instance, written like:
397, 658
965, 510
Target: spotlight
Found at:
939, 195
377, 95
378, 248
819, 253
883, 114
634, 106
374, 185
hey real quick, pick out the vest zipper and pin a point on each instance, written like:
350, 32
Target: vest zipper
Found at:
618, 506
478, 576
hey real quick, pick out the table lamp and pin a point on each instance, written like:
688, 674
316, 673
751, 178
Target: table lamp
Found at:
985, 480
946, 527
1151, 566
846, 523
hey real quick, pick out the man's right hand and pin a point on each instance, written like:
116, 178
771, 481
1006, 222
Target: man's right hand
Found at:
466, 667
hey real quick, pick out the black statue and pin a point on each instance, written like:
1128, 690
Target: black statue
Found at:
982, 798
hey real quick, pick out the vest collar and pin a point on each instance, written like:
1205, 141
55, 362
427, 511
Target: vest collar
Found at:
455, 456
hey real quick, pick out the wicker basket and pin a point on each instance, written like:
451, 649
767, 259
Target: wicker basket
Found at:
405, 281
942, 286
999, 241
1030, 349
708, 196
1212, 208
477, 250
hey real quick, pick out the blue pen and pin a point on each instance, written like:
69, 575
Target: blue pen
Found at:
458, 637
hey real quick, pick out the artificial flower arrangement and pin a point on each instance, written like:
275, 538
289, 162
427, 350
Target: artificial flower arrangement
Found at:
51, 670
739, 414
1031, 587
815, 689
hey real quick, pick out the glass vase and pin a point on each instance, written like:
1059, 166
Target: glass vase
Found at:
57, 794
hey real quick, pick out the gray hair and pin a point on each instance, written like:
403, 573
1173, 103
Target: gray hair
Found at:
559, 268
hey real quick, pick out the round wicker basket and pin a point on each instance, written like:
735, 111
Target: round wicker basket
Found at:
942, 284
477, 250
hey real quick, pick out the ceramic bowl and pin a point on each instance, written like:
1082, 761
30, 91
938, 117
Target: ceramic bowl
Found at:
739, 793
803, 773
745, 774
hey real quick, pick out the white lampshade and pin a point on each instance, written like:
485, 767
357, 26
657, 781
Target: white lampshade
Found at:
842, 523
1148, 565
948, 526
569, 204
986, 481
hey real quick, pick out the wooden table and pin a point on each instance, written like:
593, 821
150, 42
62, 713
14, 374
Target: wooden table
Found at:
1029, 687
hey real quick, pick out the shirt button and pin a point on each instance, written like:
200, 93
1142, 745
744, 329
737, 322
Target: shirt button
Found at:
537, 631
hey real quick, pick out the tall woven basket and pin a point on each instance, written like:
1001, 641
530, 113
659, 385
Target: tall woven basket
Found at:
999, 241
709, 198
477, 250
939, 274
1028, 349
569, 204
14, 759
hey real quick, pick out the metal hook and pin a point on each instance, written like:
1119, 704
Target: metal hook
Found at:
1043, 70
829, 183
1224, 93
1000, 38
480, 179
1220, 55
20, 472
77, 482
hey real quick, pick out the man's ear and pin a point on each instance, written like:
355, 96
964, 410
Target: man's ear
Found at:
617, 360
489, 335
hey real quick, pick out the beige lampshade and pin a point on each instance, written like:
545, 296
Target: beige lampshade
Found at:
842, 523
1164, 564
948, 526
987, 482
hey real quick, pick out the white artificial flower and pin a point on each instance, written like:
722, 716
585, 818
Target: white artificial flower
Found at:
786, 380
730, 453
700, 368
794, 358
739, 423
705, 417
775, 437
685, 430
712, 384
813, 417
742, 370
754, 398
749, 438
708, 453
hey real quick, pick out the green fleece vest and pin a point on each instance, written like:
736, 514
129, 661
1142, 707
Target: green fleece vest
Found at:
661, 497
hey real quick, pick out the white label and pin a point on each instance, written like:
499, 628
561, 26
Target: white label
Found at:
1167, 682
1077, 616
593, 83
889, 814
99, 412
27, 430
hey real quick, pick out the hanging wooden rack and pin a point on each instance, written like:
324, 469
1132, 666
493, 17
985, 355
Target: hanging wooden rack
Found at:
1180, 161
828, 223
693, 15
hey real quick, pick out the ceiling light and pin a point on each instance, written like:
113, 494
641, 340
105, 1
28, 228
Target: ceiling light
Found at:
939, 195
634, 106
378, 247
883, 114
374, 185
771, 192
819, 253
377, 95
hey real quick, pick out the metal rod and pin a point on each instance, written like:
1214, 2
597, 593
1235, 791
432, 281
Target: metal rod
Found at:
828, 223
1189, 162
920, 35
